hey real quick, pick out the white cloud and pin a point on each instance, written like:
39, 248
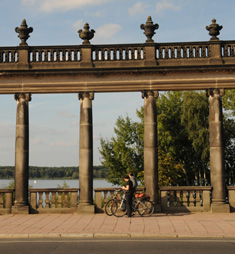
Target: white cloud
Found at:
64, 144
75, 123
28, 2
95, 14
66, 114
78, 25
62, 5
36, 141
107, 31
138, 8
167, 5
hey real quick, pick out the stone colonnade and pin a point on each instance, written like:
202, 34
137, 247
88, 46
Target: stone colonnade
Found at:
150, 151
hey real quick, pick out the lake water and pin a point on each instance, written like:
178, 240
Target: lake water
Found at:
97, 183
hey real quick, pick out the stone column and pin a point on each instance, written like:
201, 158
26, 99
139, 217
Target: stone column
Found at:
86, 154
217, 151
150, 145
21, 204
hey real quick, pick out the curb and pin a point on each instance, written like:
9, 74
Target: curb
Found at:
106, 235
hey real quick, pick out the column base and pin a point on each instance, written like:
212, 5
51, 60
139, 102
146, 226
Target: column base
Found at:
86, 209
220, 208
20, 210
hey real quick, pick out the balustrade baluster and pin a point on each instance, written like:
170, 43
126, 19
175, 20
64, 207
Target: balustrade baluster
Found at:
191, 198
203, 51
7, 57
185, 198
111, 194
40, 201
167, 52
178, 198
197, 52
198, 198
47, 201
133, 57
59, 201
53, 199
160, 53
232, 50
66, 200
172, 53
114, 54
105, 197
39, 56
1, 200
171, 198
178, 52
69, 55
45, 55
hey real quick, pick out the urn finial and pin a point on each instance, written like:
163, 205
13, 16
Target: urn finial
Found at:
23, 32
149, 29
214, 29
86, 34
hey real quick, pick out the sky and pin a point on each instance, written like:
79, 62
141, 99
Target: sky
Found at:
54, 118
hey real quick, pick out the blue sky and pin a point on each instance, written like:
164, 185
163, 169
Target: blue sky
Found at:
54, 119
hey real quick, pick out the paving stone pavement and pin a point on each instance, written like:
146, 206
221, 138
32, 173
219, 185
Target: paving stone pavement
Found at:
101, 225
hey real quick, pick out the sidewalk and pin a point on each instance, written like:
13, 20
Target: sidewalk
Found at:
101, 225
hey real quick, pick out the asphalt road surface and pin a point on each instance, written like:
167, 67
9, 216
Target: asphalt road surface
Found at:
117, 246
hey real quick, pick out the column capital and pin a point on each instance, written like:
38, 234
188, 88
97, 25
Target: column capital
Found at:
24, 96
215, 92
89, 95
147, 93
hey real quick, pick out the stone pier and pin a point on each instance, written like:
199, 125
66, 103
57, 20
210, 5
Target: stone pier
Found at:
21, 204
86, 154
217, 152
150, 145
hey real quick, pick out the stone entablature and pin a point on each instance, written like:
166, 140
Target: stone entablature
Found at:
117, 67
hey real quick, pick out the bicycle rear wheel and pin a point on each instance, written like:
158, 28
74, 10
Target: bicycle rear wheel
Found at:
145, 208
108, 207
117, 208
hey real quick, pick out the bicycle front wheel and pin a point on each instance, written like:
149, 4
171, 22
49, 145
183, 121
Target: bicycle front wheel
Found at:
117, 208
108, 207
145, 208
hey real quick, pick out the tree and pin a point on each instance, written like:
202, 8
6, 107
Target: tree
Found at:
124, 152
183, 141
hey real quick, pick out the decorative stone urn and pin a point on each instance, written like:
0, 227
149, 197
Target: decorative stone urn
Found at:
23, 32
214, 30
86, 34
149, 29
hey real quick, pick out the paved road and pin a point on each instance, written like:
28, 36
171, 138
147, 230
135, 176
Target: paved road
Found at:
117, 246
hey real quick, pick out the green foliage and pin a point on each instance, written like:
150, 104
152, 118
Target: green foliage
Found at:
229, 101
124, 152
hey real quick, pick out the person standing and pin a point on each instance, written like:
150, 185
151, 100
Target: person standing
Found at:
134, 181
129, 194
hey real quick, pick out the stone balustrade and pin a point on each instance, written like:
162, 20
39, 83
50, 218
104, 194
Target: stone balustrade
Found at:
6, 199
67, 55
185, 199
53, 200
9, 55
173, 199
54, 54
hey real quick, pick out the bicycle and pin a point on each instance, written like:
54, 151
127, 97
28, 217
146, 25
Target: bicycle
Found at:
110, 203
143, 206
